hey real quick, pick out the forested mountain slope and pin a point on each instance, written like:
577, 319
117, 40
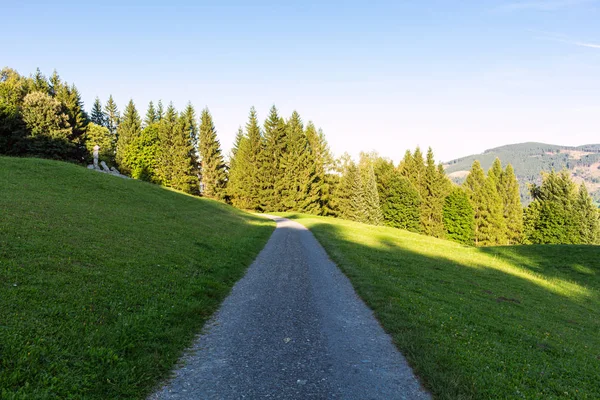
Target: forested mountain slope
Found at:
529, 159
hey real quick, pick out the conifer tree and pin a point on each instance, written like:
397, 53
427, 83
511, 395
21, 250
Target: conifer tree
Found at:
151, 115
400, 201
188, 120
487, 207
315, 186
239, 180
212, 170
40, 83
364, 202
294, 164
255, 183
432, 201
129, 129
459, 218
112, 116
98, 117
160, 113
552, 218
275, 149
344, 189
513, 210
173, 166
588, 217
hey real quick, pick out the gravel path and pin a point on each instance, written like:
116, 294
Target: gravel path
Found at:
293, 328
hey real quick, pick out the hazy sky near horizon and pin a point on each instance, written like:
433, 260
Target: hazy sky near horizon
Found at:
461, 77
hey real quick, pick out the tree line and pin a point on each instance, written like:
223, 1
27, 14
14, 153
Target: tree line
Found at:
284, 164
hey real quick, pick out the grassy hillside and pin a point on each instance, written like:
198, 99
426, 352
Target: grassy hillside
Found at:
104, 281
478, 323
529, 159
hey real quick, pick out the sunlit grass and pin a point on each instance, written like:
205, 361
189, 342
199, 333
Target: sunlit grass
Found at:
478, 323
105, 281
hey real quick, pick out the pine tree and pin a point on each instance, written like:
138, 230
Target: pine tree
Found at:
40, 83
98, 117
112, 116
151, 115
212, 171
129, 129
432, 201
459, 218
513, 210
275, 149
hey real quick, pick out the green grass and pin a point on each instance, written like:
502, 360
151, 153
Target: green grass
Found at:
105, 281
478, 323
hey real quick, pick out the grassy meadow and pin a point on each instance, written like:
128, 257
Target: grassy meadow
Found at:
478, 323
105, 281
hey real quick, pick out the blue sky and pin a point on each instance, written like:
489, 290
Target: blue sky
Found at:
377, 75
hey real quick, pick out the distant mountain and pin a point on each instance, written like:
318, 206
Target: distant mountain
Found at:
529, 159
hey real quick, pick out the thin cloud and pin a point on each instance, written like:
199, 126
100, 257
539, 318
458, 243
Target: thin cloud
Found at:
557, 37
543, 5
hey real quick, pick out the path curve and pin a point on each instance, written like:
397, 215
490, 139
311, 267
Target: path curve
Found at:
293, 328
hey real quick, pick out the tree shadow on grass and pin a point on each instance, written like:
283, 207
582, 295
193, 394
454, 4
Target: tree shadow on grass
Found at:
477, 323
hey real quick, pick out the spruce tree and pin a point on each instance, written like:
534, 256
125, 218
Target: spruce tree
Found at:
588, 217
343, 190
129, 129
317, 190
432, 201
189, 124
513, 210
294, 164
173, 167
238, 179
255, 182
552, 217
365, 198
401, 203
459, 217
275, 150
97, 116
487, 207
160, 113
112, 116
151, 115
212, 170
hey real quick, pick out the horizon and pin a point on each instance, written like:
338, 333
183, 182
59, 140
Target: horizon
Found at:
384, 77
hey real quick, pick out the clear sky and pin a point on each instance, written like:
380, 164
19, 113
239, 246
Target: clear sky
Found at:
460, 76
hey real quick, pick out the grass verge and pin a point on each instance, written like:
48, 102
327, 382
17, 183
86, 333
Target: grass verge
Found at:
478, 323
105, 281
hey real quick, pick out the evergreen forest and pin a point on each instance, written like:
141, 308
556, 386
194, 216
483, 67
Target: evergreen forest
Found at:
283, 163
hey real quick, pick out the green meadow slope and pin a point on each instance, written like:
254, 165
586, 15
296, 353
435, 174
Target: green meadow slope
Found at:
478, 323
104, 281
